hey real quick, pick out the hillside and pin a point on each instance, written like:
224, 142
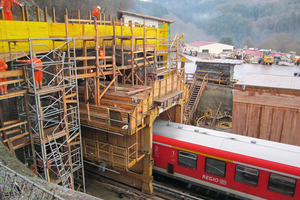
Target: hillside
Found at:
253, 22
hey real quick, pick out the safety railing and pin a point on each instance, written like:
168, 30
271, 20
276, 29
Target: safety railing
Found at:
213, 77
113, 155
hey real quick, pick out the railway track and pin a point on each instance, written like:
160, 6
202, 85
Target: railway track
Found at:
173, 193
161, 190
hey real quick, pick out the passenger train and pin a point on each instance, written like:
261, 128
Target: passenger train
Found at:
244, 167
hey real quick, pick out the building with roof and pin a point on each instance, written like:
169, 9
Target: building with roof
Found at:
207, 47
137, 18
267, 107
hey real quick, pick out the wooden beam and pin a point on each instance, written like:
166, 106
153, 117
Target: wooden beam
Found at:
144, 51
16, 137
12, 126
38, 15
11, 82
132, 54
107, 88
114, 53
11, 73
53, 15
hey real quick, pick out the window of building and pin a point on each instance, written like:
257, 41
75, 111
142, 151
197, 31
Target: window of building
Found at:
282, 184
205, 50
227, 50
246, 175
187, 159
215, 167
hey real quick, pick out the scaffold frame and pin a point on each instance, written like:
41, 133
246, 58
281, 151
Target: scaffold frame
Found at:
54, 109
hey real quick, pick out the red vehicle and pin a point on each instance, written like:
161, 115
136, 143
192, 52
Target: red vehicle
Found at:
244, 167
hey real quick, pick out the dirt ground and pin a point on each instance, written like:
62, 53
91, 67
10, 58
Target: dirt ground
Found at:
9, 160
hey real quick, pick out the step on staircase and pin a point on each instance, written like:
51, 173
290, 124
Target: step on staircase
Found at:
193, 97
195, 94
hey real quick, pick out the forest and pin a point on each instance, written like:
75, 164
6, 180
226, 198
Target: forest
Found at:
271, 24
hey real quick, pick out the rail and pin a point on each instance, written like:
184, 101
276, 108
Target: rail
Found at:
175, 193
190, 78
16, 186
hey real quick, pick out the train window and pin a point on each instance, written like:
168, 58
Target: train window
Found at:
187, 159
282, 184
246, 175
215, 167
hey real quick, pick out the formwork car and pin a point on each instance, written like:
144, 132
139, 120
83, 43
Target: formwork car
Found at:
243, 167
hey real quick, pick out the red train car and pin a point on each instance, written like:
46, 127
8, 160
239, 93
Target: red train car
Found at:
243, 167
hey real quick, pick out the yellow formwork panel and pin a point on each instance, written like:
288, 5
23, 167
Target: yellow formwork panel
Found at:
26, 30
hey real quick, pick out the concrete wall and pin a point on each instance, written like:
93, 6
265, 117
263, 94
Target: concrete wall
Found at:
216, 48
140, 20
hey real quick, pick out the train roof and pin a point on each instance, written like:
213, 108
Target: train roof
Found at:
248, 146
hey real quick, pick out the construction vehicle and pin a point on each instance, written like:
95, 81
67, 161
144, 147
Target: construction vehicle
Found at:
297, 60
266, 57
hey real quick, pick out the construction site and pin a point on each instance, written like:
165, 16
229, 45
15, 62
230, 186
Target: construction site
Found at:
94, 109
104, 83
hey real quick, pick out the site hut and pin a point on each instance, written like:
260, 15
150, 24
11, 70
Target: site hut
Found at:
267, 107
207, 47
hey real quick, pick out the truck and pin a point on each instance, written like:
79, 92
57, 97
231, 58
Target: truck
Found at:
266, 58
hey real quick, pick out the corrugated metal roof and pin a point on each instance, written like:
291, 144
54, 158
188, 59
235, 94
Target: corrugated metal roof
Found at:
203, 43
271, 81
221, 61
200, 43
146, 16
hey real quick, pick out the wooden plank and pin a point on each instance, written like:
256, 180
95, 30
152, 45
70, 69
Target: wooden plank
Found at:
138, 90
71, 101
256, 112
16, 137
12, 81
13, 94
12, 126
267, 99
71, 95
73, 143
277, 125
287, 131
238, 118
266, 122
86, 67
13, 131
11, 122
294, 136
167, 97
11, 73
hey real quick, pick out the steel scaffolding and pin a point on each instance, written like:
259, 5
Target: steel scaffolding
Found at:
53, 109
